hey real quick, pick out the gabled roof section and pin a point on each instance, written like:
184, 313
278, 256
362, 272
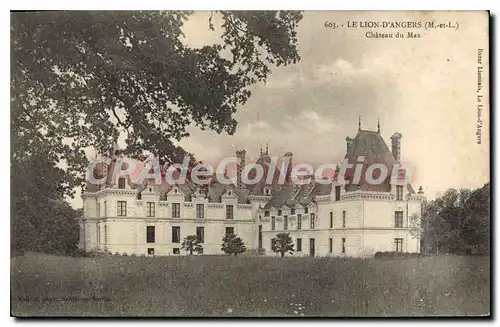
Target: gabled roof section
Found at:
217, 190
149, 189
175, 190
230, 193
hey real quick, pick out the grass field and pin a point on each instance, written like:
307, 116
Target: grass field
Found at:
43, 285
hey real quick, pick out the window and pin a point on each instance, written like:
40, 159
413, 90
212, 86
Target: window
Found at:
151, 251
176, 234
105, 234
285, 222
177, 251
260, 217
398, 243
331, 219
279, 212
200, 211
229, 212
312, 220
292, 211
299, 245
176, 210
299, 221
200, 234
343, 245
266, 213
229, 230
343, 218
306, 210
150, 209
105, 208
122, 208
98, 210
273, 223
398, 219
150, 234
121, 182
98, 234
399, 192
260, 237
330, 245
337, 193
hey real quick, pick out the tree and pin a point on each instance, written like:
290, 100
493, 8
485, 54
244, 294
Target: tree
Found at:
232, 244
78, 79
282, 244
40, 218
458, 222
191, 244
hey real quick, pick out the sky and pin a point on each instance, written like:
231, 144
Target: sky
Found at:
423, 88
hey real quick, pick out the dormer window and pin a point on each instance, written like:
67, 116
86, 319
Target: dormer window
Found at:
279, 212
175, 191
267, 191
292, 211
306, 210
121, 183
399, 192
150, 190
266, 213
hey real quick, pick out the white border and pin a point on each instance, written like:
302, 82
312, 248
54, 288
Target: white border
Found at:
191, 5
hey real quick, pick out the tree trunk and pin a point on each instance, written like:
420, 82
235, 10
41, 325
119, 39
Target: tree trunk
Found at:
190, 251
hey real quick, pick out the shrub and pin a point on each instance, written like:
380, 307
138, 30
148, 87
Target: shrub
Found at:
393, 254
282, 244
80, 253
191, 244
232, 244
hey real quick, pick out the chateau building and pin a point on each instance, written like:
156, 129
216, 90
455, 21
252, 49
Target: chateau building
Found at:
334, 219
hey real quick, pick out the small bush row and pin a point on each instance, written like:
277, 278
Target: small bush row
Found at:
393, 254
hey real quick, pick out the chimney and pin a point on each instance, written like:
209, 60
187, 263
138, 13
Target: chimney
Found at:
240, 155
396, 146
420, 191
349, 142
288, 176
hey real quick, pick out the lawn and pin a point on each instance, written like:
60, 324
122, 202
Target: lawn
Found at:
43, 285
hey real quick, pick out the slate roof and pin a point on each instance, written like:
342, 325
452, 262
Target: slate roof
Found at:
291, 196
372, 146
368, 144
258, 188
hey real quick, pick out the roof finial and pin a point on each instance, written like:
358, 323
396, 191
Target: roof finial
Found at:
359, 123
378, 125
261, 150
267, 149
